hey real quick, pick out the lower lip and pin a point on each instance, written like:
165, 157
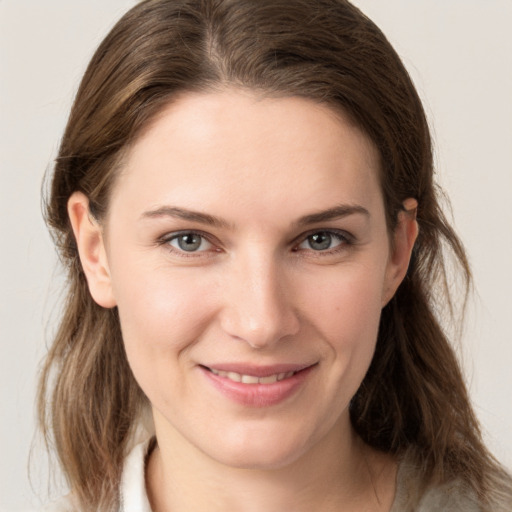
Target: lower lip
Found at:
258, 395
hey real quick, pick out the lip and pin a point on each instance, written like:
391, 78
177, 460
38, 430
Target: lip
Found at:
258, 395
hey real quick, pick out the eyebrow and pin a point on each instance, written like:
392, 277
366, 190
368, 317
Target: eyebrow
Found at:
337, 212
185, 214
330, 214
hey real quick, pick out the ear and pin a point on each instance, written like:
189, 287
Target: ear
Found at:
91, 249
404, 236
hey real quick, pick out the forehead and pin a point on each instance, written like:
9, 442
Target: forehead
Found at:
206, 147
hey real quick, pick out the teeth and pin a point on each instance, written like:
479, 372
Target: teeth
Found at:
251, 379
232, 376
268, 380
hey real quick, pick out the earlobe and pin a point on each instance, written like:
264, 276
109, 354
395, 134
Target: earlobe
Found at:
404, 237
91, 249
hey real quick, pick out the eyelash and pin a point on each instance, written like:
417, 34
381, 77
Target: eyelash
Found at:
168, 238
345, 239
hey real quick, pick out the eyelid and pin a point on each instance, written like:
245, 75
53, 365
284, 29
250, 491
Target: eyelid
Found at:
165, 240
342, 233
345, 237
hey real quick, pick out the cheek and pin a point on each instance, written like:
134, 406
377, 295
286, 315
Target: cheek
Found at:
162, 316
347, 303
161, 312
345, 310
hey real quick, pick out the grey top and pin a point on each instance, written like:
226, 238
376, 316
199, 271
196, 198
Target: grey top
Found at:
449, 497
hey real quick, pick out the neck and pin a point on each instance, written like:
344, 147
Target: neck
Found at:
341, 473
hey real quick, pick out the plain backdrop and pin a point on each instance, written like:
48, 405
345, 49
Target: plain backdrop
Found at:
459, 55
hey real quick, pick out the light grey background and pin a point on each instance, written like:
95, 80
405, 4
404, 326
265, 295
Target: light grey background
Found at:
459, 54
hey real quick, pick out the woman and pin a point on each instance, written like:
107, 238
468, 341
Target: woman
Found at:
256, 253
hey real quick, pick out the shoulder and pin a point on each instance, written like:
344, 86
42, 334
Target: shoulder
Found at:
411, 496
449, 497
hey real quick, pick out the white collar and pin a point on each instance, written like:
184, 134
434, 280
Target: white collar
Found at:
134, 497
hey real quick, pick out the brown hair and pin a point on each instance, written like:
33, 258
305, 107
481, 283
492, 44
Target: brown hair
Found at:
413, 397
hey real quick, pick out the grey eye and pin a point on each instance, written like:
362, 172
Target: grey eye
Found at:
190, 242
321, 241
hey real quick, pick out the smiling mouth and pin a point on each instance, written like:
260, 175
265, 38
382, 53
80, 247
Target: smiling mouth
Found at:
252, 379
258, 386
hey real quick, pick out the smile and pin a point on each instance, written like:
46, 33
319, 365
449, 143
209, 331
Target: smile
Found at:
252, 386
252, 379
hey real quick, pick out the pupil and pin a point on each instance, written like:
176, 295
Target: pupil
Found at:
189, 242
320, 241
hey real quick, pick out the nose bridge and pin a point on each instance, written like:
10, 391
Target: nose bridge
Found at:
258, 307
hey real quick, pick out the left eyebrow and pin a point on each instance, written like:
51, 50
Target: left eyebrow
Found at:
337, 212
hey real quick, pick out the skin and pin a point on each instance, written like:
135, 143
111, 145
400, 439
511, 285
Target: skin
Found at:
258, 290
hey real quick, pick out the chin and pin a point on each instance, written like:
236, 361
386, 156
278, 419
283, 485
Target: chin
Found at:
260, 450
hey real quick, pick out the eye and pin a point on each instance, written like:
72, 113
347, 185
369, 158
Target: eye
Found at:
189, 242
323, 241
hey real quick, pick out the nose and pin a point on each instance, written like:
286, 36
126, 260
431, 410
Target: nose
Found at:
257, 303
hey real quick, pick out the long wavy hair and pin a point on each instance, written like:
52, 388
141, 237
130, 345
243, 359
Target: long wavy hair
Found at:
413, 397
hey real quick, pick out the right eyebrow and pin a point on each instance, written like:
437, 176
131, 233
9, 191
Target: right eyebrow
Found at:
337, 212
186, 214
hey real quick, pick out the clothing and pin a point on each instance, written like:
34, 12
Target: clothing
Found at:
450, 497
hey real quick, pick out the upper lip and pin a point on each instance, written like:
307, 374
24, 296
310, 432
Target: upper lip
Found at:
259, 370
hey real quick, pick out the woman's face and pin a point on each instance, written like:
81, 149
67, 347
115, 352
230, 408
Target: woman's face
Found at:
247, 252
